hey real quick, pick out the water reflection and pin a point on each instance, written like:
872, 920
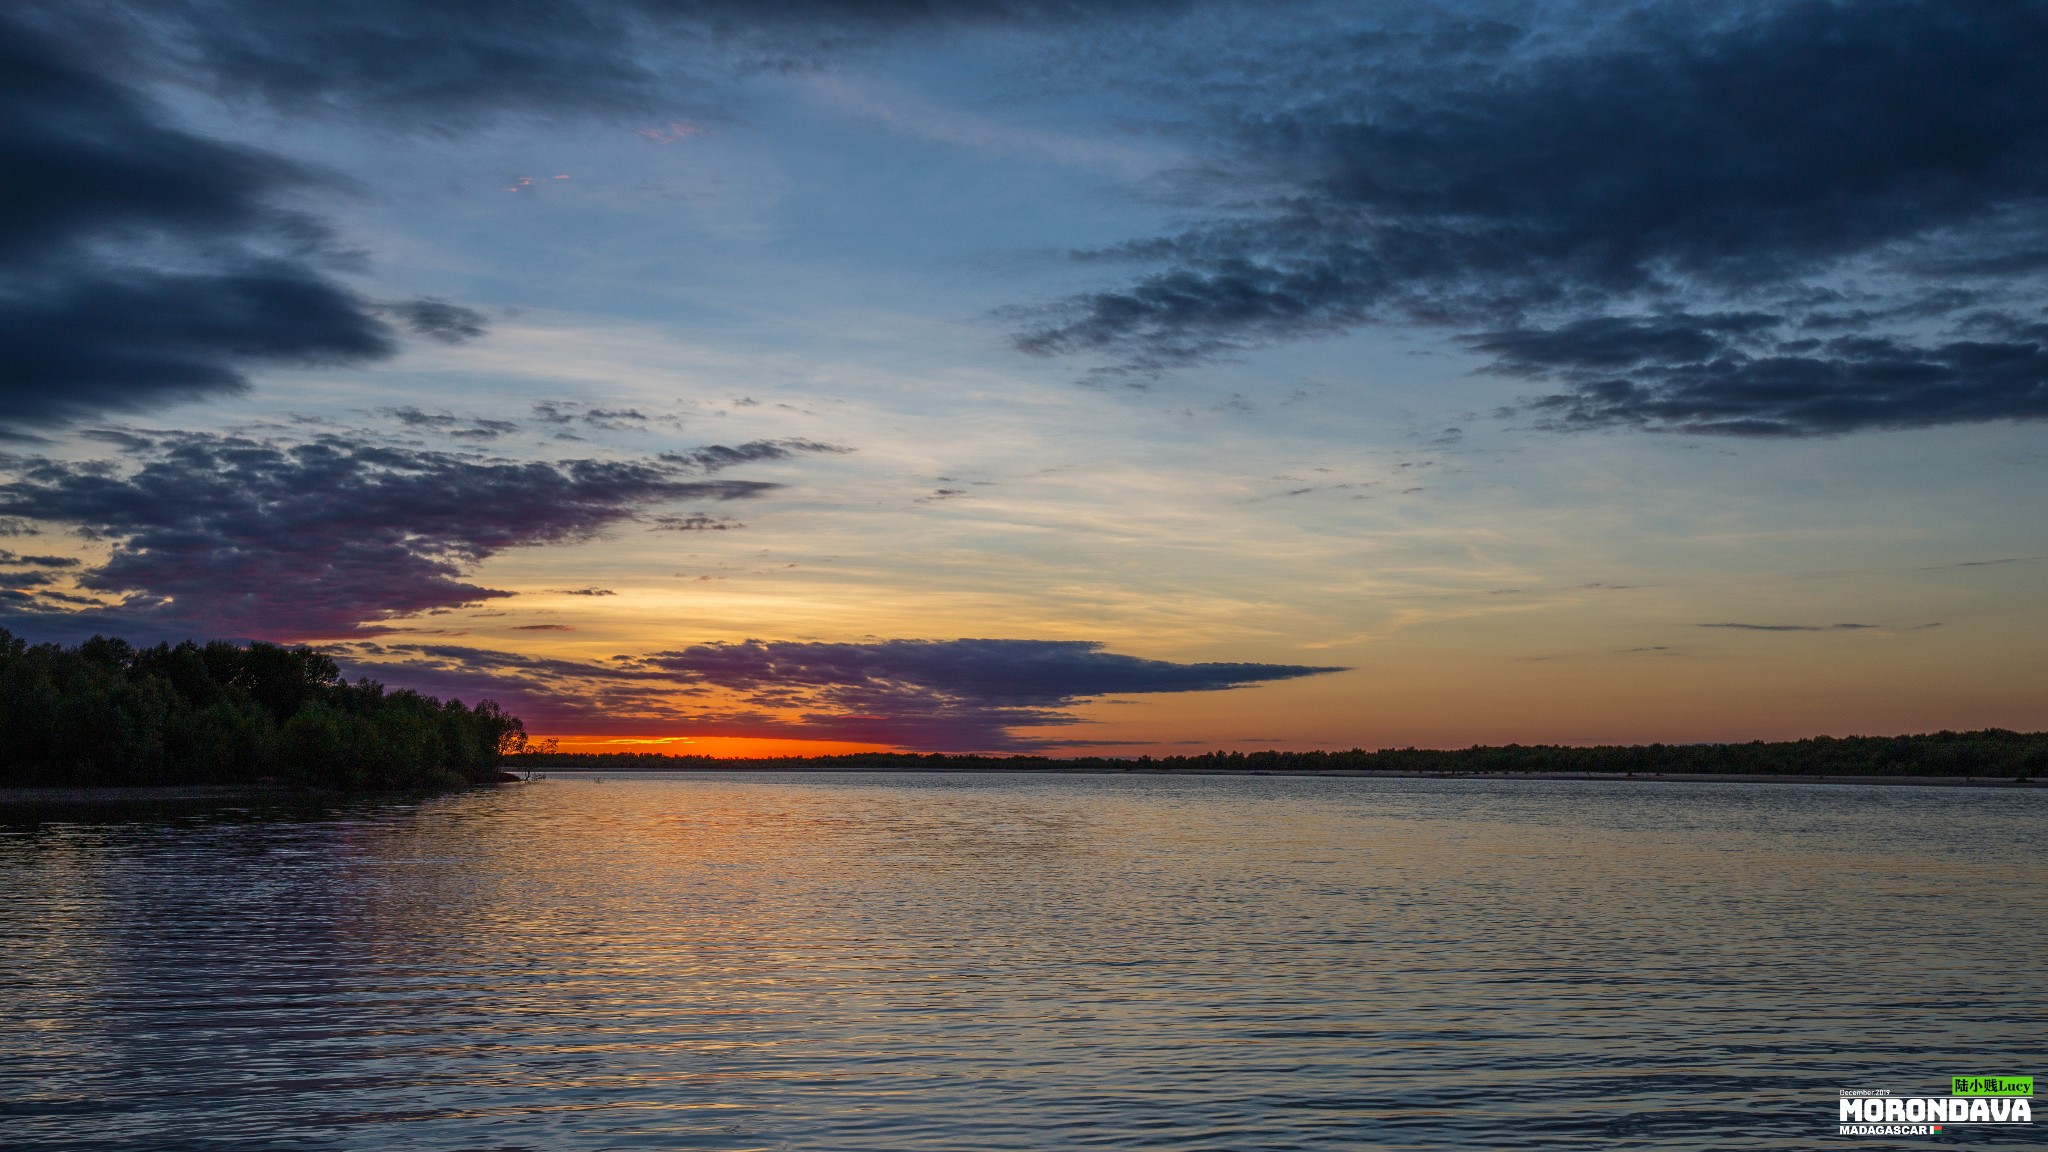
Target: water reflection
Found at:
893, 962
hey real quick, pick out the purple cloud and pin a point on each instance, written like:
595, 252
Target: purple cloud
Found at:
220, 535
940, 695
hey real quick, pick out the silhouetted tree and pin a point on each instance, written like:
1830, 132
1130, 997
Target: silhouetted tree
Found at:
105, 712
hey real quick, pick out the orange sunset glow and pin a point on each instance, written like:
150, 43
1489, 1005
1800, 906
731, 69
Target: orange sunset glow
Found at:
723, 747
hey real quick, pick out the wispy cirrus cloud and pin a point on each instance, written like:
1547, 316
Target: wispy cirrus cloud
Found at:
1795, 627
967, 694
1998, 563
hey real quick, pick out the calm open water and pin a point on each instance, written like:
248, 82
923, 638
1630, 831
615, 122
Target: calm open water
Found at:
839, 962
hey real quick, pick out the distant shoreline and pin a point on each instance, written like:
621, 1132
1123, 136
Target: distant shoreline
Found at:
1990, 755
200, 796
1384, 773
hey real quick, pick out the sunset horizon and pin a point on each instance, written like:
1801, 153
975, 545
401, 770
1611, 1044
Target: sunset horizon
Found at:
1027, 575
1019, 379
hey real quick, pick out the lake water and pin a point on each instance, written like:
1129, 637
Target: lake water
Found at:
833, 962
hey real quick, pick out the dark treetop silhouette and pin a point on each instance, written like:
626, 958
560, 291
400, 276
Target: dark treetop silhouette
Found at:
108, 713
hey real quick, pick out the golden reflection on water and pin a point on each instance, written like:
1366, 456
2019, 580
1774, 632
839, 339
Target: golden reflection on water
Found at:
891, 962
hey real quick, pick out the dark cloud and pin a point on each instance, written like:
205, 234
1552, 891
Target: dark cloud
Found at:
929, 694
583, 591
719, 456
7, 557
438, 319
449, 424
1038, 672
564, 412
68, 598
1738, 376
1555, 186
433, 63
1611, 343
217, 535
549, 694
1794, 627
695, 523
141, 264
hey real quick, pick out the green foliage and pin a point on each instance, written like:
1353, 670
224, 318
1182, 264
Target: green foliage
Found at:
106, 712
1991, 752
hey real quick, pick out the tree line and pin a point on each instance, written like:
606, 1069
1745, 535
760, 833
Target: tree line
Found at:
108, 713
1989, 752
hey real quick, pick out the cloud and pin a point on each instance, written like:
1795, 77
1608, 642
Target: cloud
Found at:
140, 264
565, 412
1986, 563
1672, 374
1553, 189
442, 62
718, 456
1794, 627
449, 424
438, 319
222, 535
695, 523
7, 557
968, 694
1612, 343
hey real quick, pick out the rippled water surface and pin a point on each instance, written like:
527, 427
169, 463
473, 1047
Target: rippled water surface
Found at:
993, 962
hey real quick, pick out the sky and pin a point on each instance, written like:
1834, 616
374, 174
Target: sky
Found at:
1132, 378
